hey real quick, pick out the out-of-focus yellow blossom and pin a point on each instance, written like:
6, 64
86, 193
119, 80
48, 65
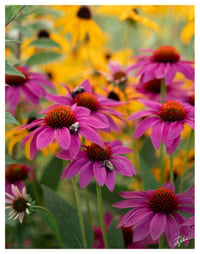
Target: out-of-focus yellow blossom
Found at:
178, 162
27, 51
78, 21
15, 136
188, 30
128, 12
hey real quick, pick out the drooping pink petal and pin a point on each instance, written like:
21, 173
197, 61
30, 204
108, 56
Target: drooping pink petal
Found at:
89, 133
139, 215
160, 72
114, 67
170, 74
12, 96
75, 146
81, 111
142, 114
172, 231
130, 203
136, 194
114, 143
110, 180
171, 149
99, 172
169, 185
35, 88
175, 130
142, 229
187, 209
151, 104
125, 217
124, 162
157, 226
121, 150
74, 167
86, 85
45, 137
86, 175
65, 154
58, 99
144, 125
93, 122
157, 134
30, 95
190, 123
63, 137
186, 69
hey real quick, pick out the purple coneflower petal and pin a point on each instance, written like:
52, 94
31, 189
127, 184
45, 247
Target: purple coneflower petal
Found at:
170, 74
30, 95
81, 111
63, 137
121, 150
94, 122
114, 67
89, 133
99, 172
75, 146
12, 96
190, 123
186, 69
187, 209
144, 125
157, 134
170, 149
114, 143
74, 167
175, 130
129, 203
125, 163
160, 72
86, 85
110, 180
58, 99
157, 226
141, 114
185, 200
169, 185
35, 88
137, 216
86, 175
142, 229
135, 194
45, 137
151, 104
172, 231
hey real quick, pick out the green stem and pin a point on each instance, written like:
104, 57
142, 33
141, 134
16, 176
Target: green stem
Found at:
160, 245
100, 210
185, 162
162, 91
80, 215
162, 166
171, 169
87, 201
53, 223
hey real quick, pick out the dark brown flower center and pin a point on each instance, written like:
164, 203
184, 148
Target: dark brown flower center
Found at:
16, 172
14, 80
114, 96
172, 111
191, 99
88, 100
120, 77
96, 153
43, 34
163, 200
30, 120
60, 116
153, 86
166, 54
20, 204
84, 13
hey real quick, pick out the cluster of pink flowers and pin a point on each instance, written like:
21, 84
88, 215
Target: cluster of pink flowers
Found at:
82, 113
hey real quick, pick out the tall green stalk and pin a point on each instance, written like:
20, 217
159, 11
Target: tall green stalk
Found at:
100, 210
171, 169
80, 215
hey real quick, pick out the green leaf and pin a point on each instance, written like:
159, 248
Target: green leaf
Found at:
12, 71
67, 219
43, 58
9, 161
15, 41
146, 160
11, 11
10, 119
115, 236
44, 43
188, 181
52, 172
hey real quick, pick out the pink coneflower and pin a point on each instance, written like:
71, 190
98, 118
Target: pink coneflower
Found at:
99, 106
31, 86
118, 75
164, 62
65, 124
19, 203
156, 212
100, 163
166, 121
16, 174
152, 90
